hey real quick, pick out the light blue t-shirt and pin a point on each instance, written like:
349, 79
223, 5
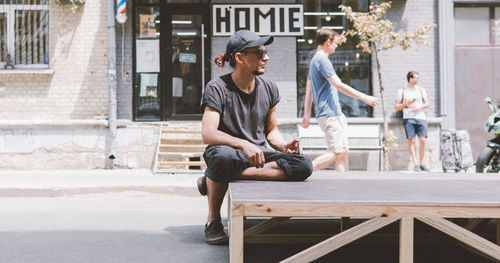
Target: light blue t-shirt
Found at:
324, 94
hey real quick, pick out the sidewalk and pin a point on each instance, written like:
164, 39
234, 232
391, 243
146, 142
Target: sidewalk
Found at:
51, 183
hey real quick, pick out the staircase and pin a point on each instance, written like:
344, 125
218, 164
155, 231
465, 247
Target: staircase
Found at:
179, 150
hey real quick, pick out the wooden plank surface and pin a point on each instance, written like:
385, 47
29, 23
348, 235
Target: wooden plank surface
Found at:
401, 189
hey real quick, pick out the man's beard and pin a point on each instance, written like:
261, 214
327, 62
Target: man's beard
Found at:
257, 72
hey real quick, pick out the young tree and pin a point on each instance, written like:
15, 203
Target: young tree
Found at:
376, 34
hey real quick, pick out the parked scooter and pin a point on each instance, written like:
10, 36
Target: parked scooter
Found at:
489, 159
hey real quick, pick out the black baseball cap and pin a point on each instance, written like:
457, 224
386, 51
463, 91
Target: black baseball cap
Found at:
244, 39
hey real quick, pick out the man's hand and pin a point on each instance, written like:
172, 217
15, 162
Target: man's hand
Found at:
305, 122
370, 100
415, 108
254, 154
291, 147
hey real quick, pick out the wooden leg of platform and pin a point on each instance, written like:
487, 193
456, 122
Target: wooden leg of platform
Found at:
477, 242
228, 212
406, 240
498, 231
345, 223
236, 235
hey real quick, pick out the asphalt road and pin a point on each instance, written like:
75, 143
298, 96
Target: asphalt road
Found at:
115, 227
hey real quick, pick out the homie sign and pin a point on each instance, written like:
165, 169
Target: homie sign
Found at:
280, 20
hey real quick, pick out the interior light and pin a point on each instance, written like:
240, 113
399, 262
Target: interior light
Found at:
328, 18
334, 27
186, 33
346, 63
182, 22
310, 41
315, 13
357, 55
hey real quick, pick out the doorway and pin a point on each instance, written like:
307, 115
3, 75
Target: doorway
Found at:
186, 58
172, 60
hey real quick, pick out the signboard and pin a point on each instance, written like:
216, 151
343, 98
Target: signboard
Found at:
278, 20
147, 55
147, 26
187, 58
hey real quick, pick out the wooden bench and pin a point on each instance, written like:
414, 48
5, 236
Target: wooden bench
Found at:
312, 139
384, 198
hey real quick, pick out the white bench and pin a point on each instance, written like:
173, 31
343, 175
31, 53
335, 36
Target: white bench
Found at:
312, 139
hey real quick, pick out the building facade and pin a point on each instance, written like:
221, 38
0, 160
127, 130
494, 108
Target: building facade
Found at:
55, 99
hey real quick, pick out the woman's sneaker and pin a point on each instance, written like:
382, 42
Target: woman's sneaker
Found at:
214, 233
417, 168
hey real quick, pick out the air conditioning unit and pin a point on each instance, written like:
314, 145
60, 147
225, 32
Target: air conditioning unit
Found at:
68, 2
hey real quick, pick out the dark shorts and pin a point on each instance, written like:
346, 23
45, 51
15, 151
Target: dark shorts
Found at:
415, 127
224, 162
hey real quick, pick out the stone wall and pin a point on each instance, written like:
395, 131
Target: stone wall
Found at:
80, 144
74, 144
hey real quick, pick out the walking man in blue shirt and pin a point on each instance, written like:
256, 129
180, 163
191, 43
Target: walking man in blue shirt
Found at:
322, 87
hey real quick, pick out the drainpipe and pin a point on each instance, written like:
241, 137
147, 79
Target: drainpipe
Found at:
111, 141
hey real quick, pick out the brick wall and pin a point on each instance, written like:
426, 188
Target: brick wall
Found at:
407, 16
78, 55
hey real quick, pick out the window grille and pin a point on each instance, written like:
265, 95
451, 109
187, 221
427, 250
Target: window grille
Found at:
24, 33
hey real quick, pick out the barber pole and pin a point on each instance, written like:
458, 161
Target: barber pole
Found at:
121, 11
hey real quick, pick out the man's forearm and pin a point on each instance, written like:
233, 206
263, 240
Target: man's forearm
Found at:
276, 140
217, 137
349, 91
308, 100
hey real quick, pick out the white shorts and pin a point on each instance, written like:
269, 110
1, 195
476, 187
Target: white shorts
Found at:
335, 129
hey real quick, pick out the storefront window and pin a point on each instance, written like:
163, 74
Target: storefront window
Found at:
351, 65
147, 68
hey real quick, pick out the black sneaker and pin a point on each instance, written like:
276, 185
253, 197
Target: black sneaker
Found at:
214, 233
202, 185
423, 168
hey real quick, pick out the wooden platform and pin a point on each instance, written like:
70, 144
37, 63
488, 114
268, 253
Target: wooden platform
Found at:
383, 197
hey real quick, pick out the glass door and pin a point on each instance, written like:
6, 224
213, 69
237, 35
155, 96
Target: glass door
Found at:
147, 79
186, 59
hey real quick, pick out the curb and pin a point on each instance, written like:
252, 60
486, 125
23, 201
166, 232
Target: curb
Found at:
59, 192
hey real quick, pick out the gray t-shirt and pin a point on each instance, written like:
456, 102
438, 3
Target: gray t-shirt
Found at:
242, 115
